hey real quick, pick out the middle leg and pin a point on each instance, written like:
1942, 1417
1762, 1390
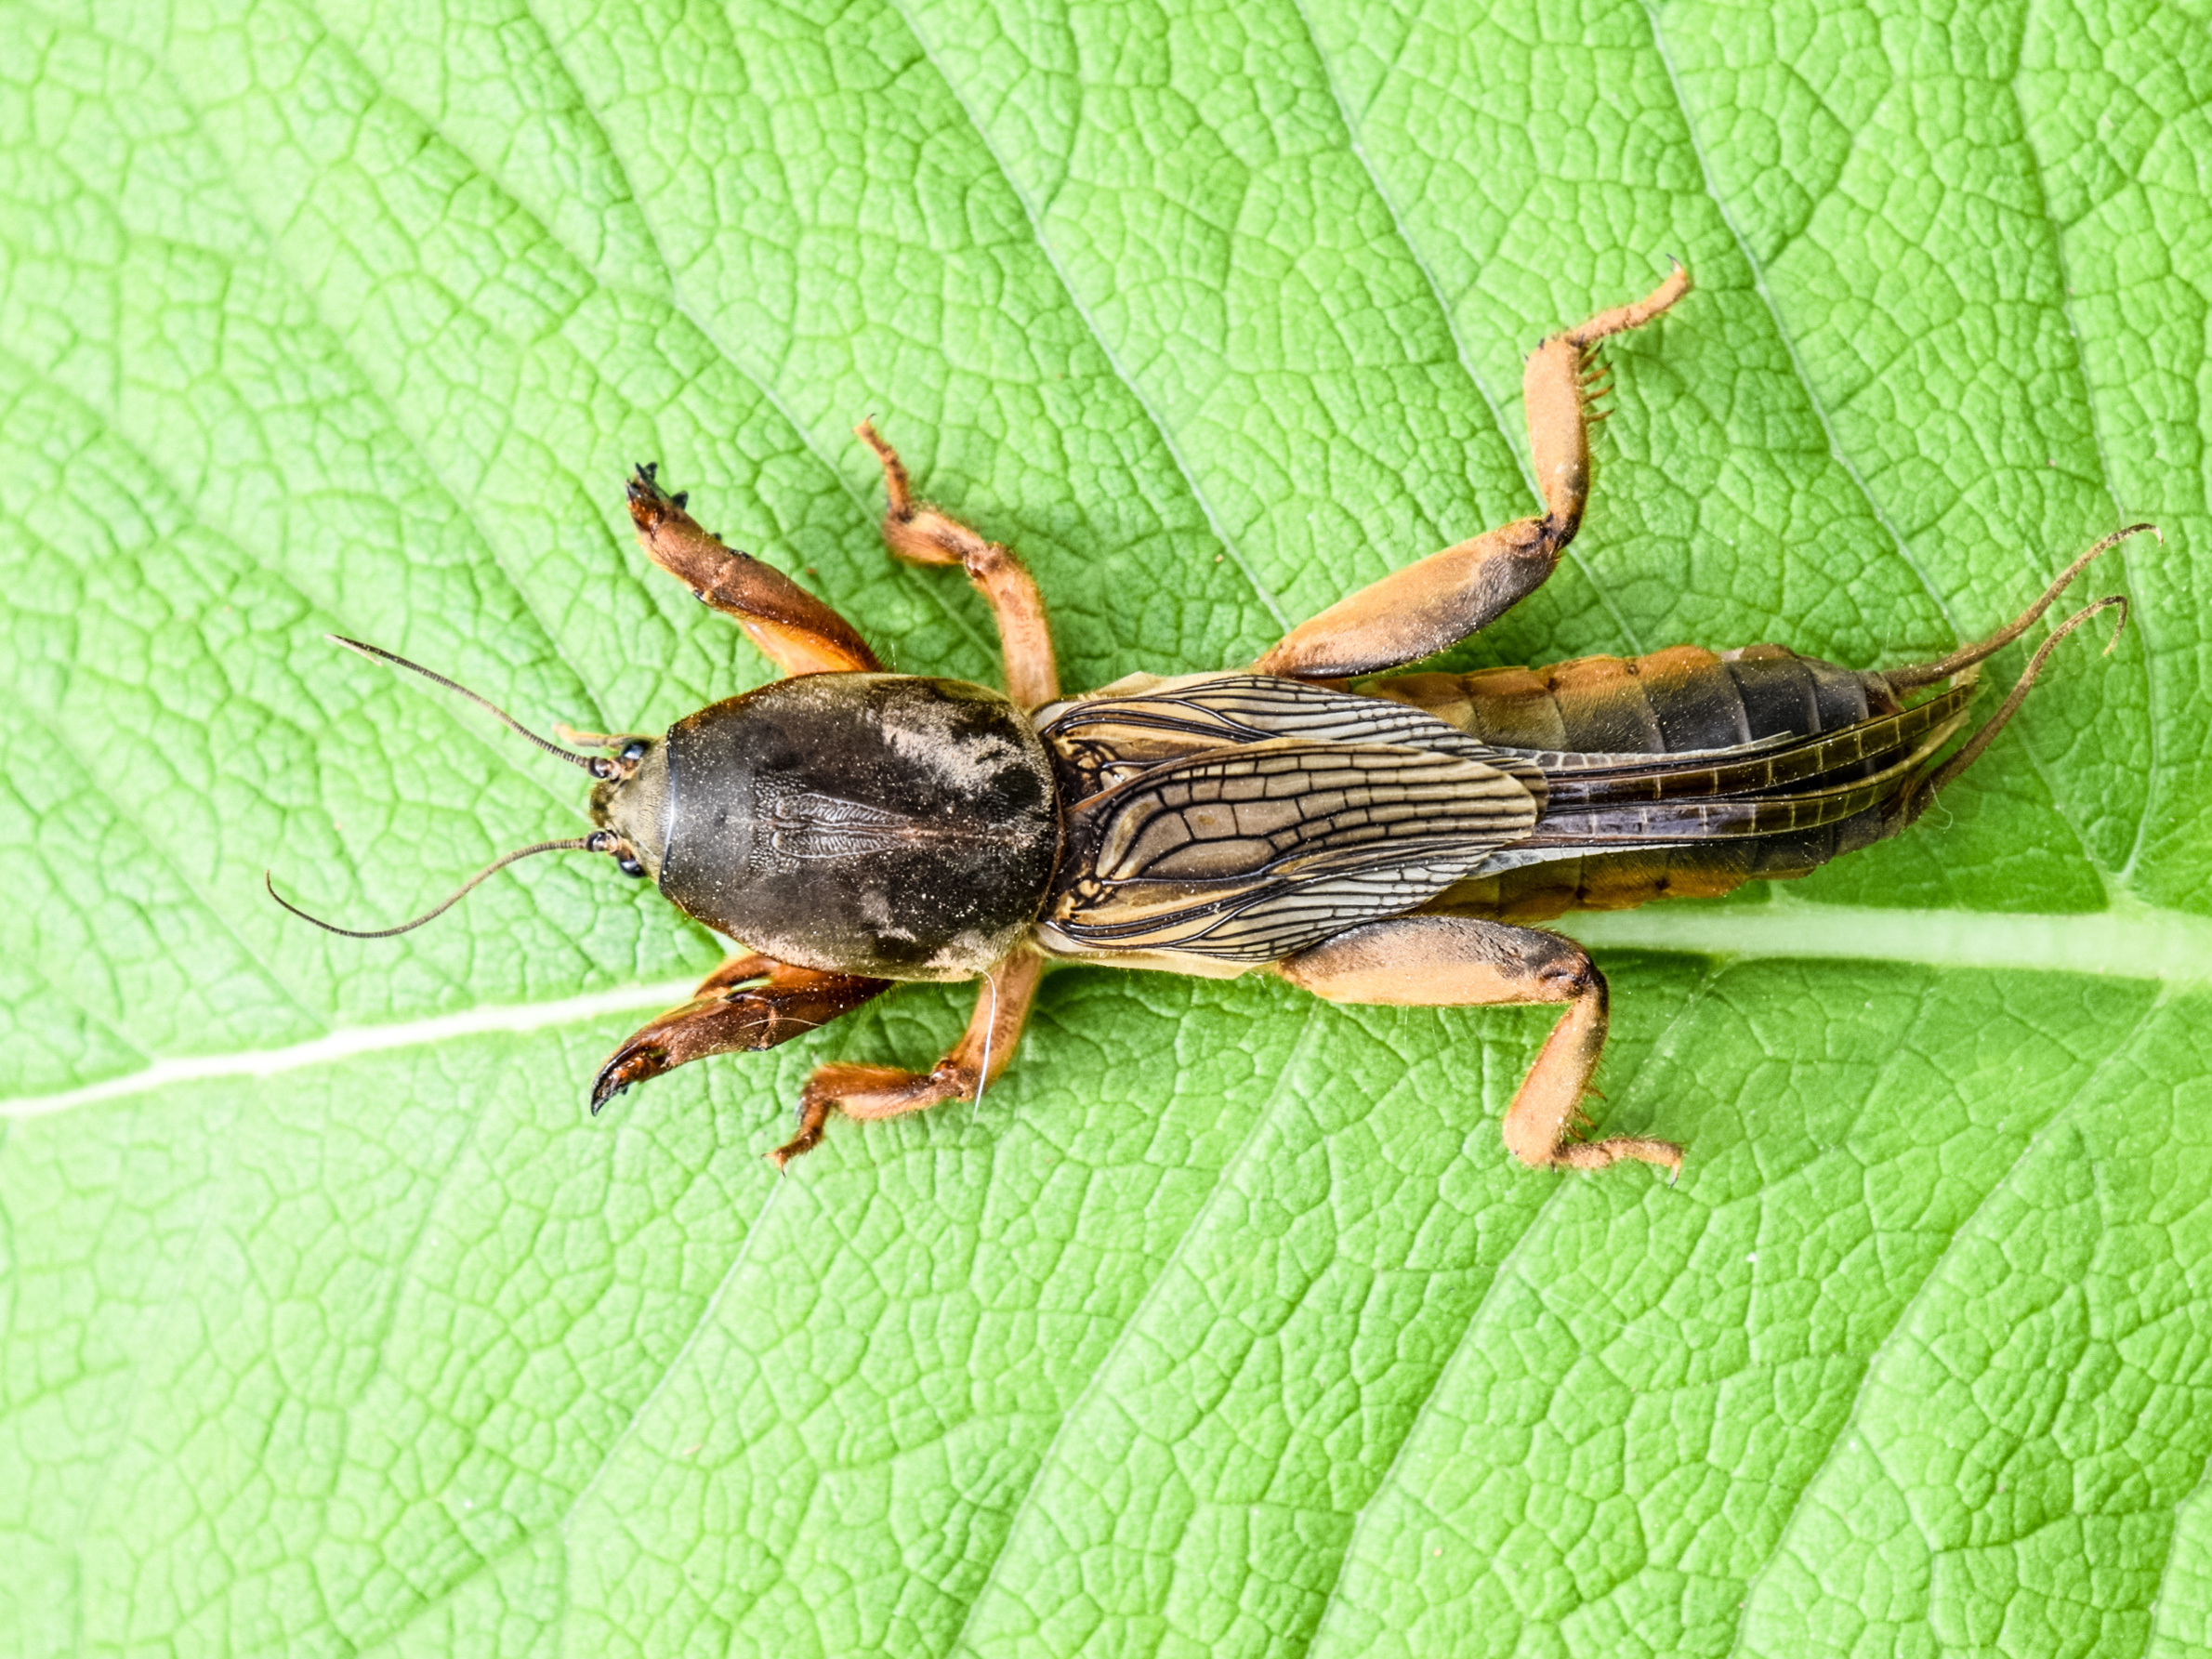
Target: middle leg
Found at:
1428, 961
1426, 607
1002, 1008
919, 532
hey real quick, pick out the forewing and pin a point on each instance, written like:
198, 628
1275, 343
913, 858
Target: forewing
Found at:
1101, 740
1249, 853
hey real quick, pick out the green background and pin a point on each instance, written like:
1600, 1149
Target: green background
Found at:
1224, 1324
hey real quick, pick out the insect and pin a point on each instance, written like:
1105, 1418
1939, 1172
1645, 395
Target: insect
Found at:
1369, 839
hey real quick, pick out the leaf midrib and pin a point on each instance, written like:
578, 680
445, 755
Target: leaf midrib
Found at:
2129, 940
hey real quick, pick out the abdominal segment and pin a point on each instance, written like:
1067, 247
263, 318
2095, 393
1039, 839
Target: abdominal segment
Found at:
1684, 773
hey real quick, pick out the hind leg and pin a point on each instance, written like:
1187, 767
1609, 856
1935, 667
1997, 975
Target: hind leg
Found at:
1429, 961
1426, 607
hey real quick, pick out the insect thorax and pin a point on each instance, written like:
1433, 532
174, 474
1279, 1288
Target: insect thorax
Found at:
871, 823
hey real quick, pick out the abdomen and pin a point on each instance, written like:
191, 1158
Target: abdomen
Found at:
1671, 702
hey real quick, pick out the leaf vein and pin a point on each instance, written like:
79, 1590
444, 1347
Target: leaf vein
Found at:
1451, 320
1781, 329
1223, 1184
1031, 211
2145, 617
676, 300
1421, 1407
2031, 1144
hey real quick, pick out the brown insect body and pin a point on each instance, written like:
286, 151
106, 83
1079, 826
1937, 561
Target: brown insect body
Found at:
1367, 836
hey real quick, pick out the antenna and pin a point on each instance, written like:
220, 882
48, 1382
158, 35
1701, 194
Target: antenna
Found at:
599, 766
598, 841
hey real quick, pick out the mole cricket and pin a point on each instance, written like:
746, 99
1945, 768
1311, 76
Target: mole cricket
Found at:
1369, 839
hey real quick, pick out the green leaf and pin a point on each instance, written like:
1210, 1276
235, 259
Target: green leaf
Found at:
330, 1322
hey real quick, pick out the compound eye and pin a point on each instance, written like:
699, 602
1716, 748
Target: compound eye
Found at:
629, 866
633, 749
